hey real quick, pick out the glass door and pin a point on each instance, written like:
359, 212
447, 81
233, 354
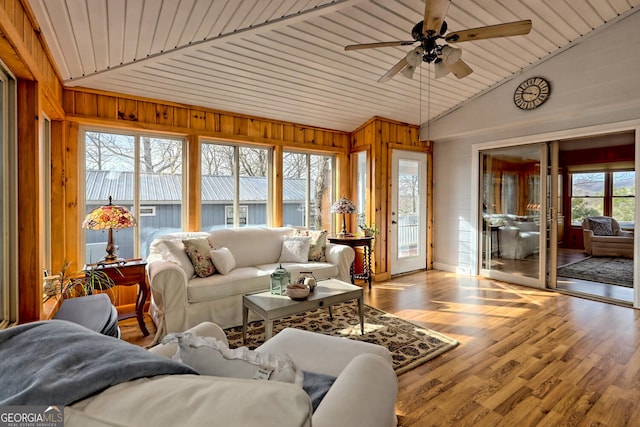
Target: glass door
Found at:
409, 212
512, 232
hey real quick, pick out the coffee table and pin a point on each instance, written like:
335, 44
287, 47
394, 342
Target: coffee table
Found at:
271, 307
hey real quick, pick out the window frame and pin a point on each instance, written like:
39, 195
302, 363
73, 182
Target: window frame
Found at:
135, 208
607, 198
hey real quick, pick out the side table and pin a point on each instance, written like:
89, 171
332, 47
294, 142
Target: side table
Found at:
132, 272
357, 242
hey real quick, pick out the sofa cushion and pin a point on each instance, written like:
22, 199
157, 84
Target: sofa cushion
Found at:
317, 243
251, 245
320, 270
601, 226
223, 260
199, 252
240, 280
295, 249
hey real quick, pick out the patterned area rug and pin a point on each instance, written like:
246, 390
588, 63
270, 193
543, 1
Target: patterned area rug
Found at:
411, 345
611, 270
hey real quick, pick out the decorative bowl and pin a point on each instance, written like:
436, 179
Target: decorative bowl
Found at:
297, 291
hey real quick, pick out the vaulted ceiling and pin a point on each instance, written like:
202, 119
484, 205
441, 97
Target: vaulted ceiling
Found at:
285, 59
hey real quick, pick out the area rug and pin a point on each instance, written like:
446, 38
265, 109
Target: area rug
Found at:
410, 345
611, 270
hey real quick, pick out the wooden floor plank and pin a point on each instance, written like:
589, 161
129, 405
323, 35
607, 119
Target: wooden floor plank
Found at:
527, 357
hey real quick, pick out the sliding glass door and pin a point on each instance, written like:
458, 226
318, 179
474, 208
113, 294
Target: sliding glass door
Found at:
513, 222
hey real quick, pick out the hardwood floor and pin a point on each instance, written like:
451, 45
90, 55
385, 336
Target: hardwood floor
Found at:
526, 357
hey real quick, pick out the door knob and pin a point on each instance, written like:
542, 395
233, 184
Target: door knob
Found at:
393, 222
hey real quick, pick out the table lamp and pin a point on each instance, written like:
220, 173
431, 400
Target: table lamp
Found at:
343, 206
109, 217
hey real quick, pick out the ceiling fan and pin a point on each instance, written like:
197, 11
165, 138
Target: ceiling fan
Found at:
433, 29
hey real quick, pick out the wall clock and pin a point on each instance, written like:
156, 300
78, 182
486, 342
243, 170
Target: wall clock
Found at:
531, 93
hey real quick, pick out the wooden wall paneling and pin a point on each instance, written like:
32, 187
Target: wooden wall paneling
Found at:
429, 204
277, 131
107, 106
58, 189
226, 124
127, 109
193, 184
212, 121
298, 134
86, 104
198, 119
278, 194
288, 132
72, 187
255, 129
241, 126
30, 226
147, 112
181, 117
164, 114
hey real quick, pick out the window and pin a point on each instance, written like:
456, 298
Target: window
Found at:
362, 183
610, 193
307, 190
233, 175
623, 197
8, 203
134, 169
509, 193
587, 196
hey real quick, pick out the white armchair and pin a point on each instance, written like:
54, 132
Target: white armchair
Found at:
603, 237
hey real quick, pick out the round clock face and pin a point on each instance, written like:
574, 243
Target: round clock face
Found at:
531, 93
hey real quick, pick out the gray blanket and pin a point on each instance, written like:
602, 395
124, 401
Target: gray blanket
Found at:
58, 362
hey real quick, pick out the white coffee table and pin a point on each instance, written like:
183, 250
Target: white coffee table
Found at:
271, 307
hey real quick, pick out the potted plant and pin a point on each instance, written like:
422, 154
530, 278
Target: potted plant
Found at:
76, 284
369, 230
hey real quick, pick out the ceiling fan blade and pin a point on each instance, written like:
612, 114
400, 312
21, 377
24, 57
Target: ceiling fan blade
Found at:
380, 44
460, 69
434, 13
394, 70
517, 28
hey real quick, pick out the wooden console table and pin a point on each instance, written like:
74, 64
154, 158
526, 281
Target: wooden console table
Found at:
132, 272
358, 242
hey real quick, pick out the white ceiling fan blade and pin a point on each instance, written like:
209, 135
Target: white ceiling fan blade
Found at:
460, 69
394, 70
434, 13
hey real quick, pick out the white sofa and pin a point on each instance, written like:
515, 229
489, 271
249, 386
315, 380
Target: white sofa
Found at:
363, 394
519, 239
180, 300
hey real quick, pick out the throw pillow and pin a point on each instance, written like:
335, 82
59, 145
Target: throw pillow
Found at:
601, 227
209, 356
199, 252
295, 249
223, 260
317, 243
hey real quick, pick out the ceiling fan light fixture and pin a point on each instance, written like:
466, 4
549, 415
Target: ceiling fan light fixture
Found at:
414, 57
408, 71
451, 55
441, 68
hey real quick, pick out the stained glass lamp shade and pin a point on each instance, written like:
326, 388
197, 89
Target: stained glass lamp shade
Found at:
109, 217
343, 206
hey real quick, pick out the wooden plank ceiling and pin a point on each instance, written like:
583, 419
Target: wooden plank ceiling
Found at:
284, 59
